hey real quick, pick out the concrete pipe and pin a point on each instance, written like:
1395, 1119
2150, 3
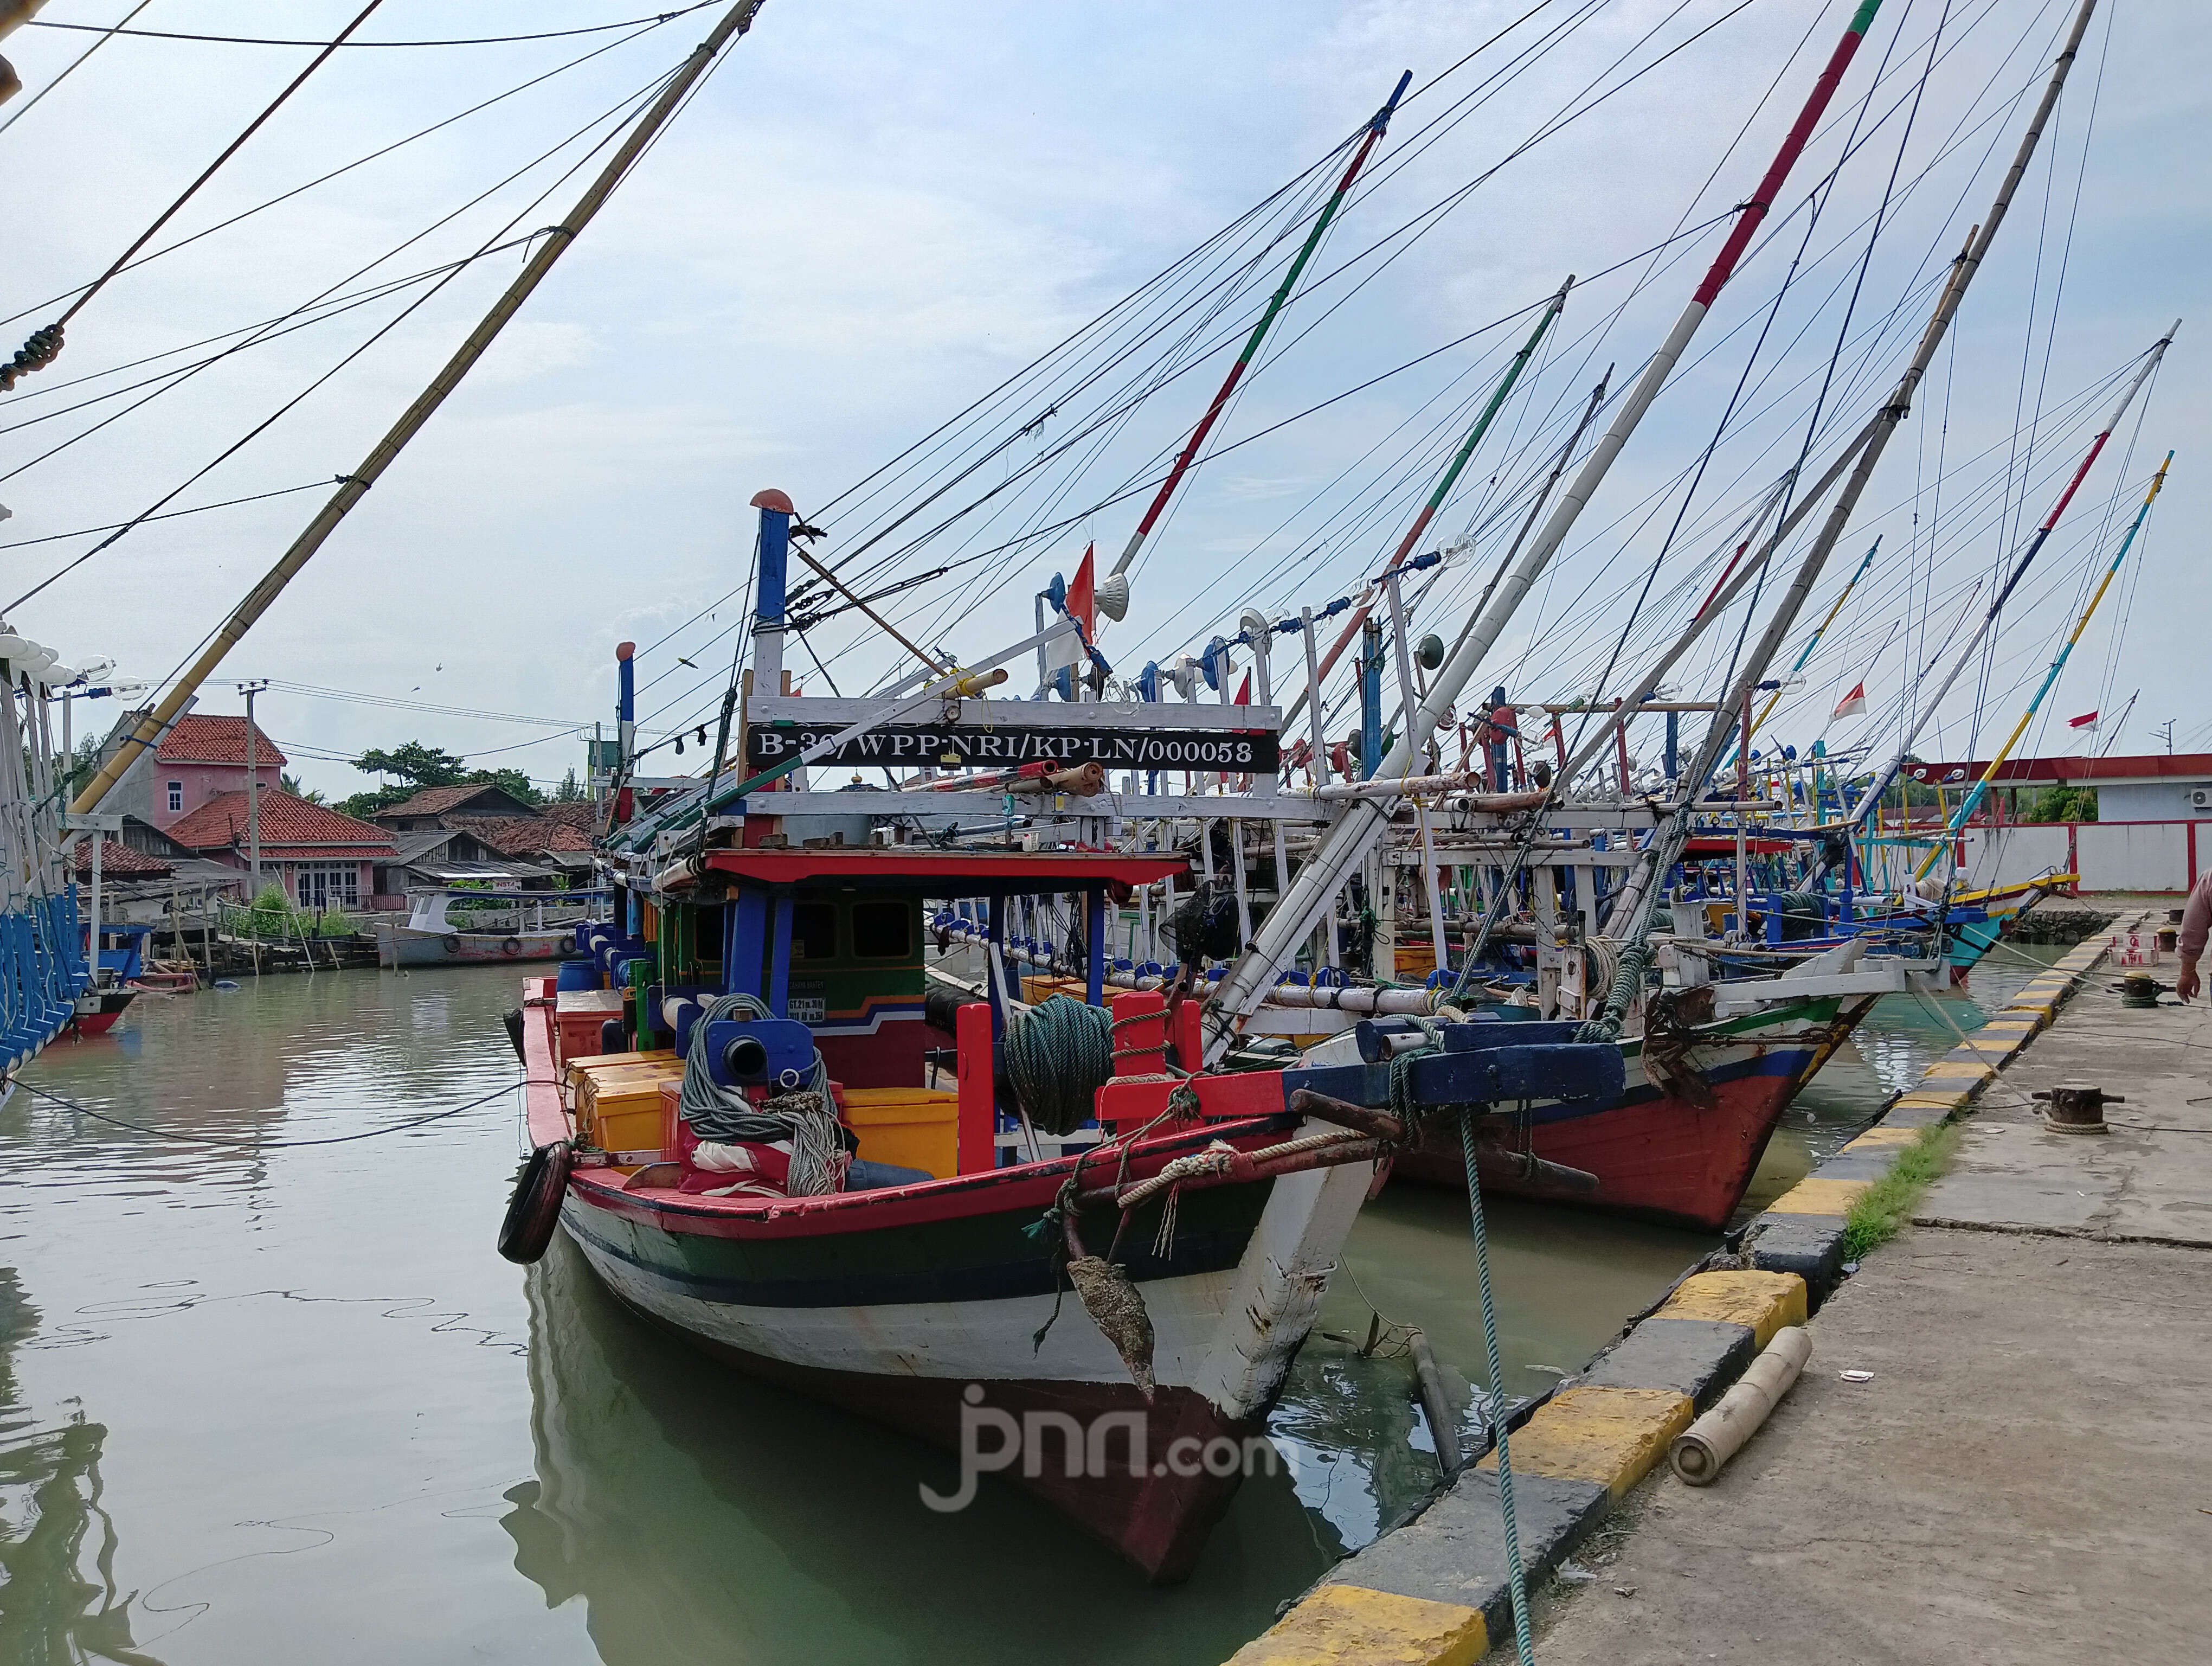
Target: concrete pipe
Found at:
1700, 1452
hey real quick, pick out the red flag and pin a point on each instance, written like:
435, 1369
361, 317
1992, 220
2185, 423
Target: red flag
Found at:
1852, 705
2086, 720
1244, 694
1083, 597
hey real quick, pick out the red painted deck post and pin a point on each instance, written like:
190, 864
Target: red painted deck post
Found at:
975, 1142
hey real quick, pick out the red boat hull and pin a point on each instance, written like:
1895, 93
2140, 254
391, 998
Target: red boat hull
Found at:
1659, 1158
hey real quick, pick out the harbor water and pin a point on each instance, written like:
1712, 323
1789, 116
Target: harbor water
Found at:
267, 1400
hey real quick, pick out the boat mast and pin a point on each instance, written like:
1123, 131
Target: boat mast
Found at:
1349, 840
1632, 914
2050, 679
1888, 773
355, 486
1114, 600
1351, 626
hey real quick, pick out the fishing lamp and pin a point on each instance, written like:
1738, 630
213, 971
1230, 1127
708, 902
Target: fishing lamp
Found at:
1216, 662
1148, 681
1430, 653
1112, 596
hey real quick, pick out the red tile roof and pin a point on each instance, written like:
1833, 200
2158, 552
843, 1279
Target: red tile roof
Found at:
286, 821
437, 801
523, 836
120, 861
216, 740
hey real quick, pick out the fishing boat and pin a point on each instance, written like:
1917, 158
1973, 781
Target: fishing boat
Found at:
1193, 1217
115, 983
498, 927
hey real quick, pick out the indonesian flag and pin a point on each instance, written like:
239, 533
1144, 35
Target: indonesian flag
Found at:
2086, 720
1245, 693
1082, 595
1852, 704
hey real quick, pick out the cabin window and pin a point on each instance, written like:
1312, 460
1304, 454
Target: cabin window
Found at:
176, 796
881, 931
814, 931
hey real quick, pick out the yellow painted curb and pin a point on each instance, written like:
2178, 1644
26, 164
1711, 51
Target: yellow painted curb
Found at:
1764, 1301
1931, 1099
1882, 1139
2028, 1025
1818, 1197
1349, 1623
1611, 1436
1979, 1042
1956, 1069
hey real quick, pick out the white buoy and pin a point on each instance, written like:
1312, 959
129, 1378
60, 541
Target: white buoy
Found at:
1700, 1452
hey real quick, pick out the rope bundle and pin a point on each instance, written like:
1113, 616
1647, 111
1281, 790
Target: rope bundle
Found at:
1059, 1054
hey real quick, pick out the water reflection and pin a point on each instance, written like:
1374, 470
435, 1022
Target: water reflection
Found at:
702, 1517
50, 1498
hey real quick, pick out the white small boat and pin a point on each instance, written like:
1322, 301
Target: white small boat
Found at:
492, 925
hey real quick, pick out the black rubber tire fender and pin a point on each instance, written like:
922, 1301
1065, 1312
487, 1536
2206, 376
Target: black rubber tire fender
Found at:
512, 945
535, 1209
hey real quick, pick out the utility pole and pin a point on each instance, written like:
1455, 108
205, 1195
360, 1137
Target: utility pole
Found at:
2167, 729
252, 796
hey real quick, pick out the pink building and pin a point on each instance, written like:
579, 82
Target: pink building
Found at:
202, 758
322, 859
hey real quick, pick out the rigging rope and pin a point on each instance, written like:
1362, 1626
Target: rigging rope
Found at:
46, 345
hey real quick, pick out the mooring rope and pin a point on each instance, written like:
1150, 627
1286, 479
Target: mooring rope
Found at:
37, 1092
1522, 1646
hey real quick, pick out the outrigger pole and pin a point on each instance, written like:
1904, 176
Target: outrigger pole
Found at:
2050, 679
1114, 598
1631, 916
1873, 794
1346, 845
1551, 310
354, 487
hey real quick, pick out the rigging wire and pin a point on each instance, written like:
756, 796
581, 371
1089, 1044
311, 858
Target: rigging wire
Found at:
324, 179
112, 29
70, 68
209, 172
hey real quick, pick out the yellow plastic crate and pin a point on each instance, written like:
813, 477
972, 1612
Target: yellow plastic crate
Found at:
913, 1128
617, 1108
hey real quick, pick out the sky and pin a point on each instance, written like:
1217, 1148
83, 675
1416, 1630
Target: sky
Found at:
872, 214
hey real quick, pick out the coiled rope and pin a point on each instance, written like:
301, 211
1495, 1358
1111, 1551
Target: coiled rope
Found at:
1059, 1054
804, 1116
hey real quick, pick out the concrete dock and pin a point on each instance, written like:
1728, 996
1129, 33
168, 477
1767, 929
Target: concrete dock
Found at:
2022, 1478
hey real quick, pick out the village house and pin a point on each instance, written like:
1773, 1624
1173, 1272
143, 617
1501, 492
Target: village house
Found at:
322, 859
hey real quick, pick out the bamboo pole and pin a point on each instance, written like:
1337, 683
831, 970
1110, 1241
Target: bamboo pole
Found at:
355, 485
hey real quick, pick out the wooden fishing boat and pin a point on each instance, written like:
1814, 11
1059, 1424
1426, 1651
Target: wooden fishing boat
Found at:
930, 1302
1681, 1141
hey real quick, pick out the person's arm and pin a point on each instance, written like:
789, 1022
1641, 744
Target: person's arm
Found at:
2196, 925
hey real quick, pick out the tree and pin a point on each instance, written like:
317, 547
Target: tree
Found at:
290, 783
570, 791
2063, 804
425, 766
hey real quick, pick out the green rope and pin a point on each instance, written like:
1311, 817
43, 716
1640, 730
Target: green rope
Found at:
1522, 1646
1059, 1054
